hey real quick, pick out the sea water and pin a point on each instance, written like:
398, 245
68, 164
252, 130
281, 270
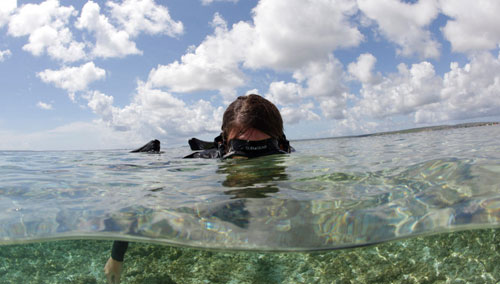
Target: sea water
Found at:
403, 208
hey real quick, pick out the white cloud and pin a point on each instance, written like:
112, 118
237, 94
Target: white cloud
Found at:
401, 93
323, 78
473, 25
46, 25
334, 108
6, 9
102, 105
405, 24
322, 82
208, 2
154, 113
213, 65
362, 69
132, 17
352, 124
44, 106
4, 54
285, 93
252, 91
136, 16
293, 115
73, 79
284, 35
420, 96
110, 42
73, 136
290, 33
468, 92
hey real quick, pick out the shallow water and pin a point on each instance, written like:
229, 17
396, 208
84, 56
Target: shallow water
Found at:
331, 193
460, 257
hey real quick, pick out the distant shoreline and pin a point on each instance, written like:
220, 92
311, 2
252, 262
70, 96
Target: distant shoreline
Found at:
413, 130
431, 128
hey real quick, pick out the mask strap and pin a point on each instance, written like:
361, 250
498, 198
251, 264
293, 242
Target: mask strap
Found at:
220, 144
284, 144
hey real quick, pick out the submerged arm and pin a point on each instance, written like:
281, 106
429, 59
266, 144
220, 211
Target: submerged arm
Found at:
114, 265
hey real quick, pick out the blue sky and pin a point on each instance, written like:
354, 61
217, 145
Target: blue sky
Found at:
115, 74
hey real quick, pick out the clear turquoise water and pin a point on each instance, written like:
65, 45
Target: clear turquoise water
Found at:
424, 198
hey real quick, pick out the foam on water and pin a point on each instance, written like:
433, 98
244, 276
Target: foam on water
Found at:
331, 193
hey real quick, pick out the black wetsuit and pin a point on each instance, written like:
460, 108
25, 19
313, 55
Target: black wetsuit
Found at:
214, 150
119, 249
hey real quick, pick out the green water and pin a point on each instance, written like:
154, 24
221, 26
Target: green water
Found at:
461, 257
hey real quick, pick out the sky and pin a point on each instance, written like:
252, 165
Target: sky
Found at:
81, 75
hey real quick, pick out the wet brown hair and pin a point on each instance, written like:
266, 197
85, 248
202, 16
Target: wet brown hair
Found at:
252, 111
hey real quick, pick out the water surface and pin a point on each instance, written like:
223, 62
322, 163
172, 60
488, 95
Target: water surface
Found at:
330, 194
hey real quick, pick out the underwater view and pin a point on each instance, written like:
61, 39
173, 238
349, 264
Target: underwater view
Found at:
419, 207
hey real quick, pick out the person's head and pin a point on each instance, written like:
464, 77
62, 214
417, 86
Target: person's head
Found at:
249, 113
251, 127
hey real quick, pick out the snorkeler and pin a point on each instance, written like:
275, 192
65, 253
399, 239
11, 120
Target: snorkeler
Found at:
251, 127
